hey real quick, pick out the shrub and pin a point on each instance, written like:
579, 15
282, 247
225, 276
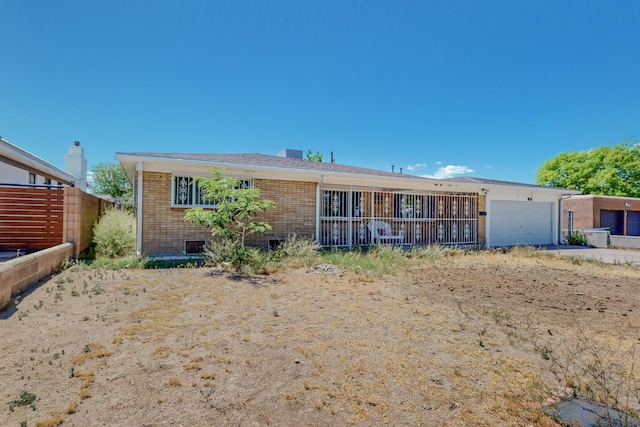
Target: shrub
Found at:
298, 247
115, 234
577, 238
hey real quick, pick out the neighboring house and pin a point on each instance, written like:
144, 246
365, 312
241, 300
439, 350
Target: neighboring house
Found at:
21, 168
621, 215
339, 205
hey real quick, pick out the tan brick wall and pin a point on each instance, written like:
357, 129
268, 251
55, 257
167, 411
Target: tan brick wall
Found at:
482, 220
294, 212
164, 230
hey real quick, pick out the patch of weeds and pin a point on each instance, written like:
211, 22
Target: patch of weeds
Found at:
23, 314
57, 297
38, 306
75, 293
275, 312
24, 399
97, 289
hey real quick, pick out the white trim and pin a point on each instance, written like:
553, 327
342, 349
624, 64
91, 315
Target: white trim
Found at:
139, 168
30, 161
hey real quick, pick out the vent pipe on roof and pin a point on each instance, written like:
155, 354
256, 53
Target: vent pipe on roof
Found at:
393, 167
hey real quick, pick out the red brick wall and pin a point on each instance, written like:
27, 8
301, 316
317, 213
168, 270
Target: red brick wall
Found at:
586, 208
583, 212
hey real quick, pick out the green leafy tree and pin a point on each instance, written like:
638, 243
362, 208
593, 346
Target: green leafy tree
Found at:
235, 209
314, 157
606, 170
109, 178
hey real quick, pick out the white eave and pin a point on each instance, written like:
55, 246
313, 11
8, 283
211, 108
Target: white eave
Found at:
23, 159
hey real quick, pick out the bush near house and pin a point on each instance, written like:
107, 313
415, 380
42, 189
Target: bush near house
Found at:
115, 234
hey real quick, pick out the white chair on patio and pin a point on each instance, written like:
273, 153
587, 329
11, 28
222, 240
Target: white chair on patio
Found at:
383, 233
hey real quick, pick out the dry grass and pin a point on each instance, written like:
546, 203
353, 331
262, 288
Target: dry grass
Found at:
469, 338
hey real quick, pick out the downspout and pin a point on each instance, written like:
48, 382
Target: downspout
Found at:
139, 210
322, 179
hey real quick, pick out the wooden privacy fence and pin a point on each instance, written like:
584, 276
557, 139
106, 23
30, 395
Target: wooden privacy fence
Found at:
31, 218
40, 218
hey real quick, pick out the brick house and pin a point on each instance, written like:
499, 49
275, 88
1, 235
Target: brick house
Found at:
339, 205
621, 215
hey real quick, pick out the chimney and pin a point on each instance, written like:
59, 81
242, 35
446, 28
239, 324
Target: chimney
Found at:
76, 165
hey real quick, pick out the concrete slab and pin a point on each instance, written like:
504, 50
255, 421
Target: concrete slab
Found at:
611, 256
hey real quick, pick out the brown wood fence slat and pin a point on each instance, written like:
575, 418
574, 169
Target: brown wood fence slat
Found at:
31, 218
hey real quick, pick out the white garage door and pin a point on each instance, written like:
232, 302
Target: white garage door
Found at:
520, 223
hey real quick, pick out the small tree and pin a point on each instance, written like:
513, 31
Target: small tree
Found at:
234, 212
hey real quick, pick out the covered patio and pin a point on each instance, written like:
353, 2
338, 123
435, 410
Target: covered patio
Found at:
359, 216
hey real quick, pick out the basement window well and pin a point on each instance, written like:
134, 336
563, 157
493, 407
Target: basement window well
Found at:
194, 246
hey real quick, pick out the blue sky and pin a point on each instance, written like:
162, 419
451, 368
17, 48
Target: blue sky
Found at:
440, 88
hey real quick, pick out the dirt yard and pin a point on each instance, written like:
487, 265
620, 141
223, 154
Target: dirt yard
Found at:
483, 339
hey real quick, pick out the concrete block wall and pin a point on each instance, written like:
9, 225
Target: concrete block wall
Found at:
164, 230
19, 273
81, 212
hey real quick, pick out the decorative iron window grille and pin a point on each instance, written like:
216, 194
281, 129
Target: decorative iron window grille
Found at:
186, 192
410, 218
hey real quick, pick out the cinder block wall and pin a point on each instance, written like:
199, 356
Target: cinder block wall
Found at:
165, 231
19, 273
81, 212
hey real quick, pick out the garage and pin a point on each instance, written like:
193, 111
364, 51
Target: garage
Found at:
520, 223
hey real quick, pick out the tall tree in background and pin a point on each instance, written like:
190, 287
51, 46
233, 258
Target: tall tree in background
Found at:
314, 157
606, 170
109, 178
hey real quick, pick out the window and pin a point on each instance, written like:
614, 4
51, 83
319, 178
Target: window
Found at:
186, 192
47, 181
32, 178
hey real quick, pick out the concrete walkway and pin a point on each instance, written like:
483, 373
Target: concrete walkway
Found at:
612, 256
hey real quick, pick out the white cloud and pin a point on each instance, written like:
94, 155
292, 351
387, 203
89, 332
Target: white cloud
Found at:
449, 171
416, 166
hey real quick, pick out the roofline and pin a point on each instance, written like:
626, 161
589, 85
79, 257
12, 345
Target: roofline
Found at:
20, 157
323, 175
